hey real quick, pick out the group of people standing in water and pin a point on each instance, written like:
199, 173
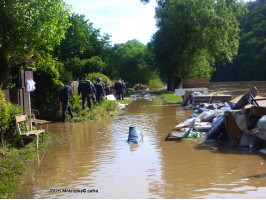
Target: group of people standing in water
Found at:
89, 92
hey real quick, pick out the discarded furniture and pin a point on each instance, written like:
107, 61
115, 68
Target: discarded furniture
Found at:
254, 101
211, 98
182, 91
253, 115
245, 99
233, 131
172, 135
187, 97
32, 133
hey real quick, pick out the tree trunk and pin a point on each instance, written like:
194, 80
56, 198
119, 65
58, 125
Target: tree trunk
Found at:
171, 79
4, 75
177, 82
170, 83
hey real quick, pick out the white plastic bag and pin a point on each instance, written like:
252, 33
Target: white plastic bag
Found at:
262, 123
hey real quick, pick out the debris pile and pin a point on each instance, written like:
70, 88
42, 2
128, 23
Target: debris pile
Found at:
239, 123
141, 88
192, 98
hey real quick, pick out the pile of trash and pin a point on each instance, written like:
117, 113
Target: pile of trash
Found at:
240, 123
141, 88
192, 98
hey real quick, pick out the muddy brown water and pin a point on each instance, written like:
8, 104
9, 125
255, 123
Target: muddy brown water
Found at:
96, 159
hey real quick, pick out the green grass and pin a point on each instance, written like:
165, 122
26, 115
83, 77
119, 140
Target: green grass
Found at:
105, 110
15, 164
171, 98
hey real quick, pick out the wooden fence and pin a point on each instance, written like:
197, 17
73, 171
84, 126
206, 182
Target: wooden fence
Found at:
19, 96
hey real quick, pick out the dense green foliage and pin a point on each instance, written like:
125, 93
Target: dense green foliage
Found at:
250, 63
8, 112
84, 49
133, 62
29, 30
94, 76
193, 34
155, 83
46, 96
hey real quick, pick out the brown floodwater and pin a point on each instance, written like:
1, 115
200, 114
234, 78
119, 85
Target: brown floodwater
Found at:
96, 159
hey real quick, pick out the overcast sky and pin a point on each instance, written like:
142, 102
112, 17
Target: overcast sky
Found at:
122, 19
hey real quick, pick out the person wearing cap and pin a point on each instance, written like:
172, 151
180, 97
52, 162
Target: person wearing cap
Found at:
64, 96
99, 90
87, 91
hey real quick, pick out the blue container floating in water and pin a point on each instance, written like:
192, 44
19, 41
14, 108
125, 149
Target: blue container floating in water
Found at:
134, 136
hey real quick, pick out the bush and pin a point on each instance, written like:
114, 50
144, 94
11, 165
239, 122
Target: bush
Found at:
8, 111
46, 96
94, 76
155, 83
75, 102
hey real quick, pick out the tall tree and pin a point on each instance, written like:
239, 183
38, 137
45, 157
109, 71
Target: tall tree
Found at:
29, 29
84, 48
82, 40
249, 64
133, 62
193, 34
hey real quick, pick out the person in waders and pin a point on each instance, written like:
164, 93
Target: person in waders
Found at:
87, 91
64, 96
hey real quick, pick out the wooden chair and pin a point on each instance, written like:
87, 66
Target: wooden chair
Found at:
22, 119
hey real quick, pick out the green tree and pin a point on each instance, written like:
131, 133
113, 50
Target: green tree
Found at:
78, 67
84, 49
193, 34
77, 41
133, 62
249, 64
29, 29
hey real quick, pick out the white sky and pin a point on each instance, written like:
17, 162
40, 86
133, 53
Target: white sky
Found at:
122, 19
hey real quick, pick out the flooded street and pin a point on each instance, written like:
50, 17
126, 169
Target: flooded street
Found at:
96, 159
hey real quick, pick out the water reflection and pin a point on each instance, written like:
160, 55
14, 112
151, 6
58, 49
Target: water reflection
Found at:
97, 156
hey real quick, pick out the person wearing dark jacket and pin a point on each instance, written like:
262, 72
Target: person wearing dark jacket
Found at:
87, 91
64, 96
119, 89
124, 89
99, 90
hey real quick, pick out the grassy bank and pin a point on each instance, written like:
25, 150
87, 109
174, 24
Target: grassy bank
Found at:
170, 97
105, 110
14, 163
